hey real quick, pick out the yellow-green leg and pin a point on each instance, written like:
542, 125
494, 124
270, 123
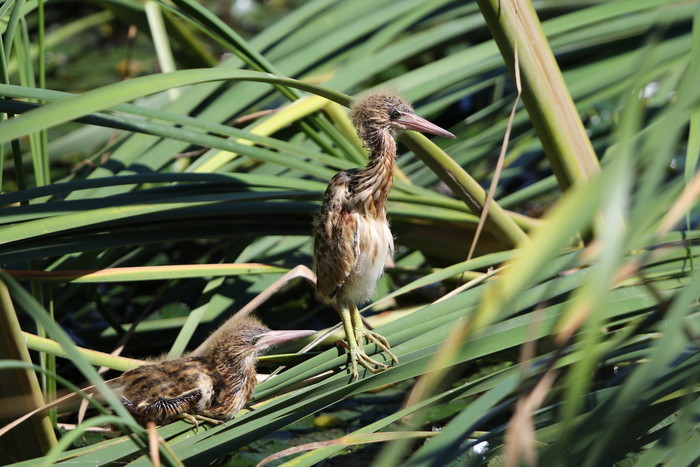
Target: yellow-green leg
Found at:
354, 344
375, 338
350, 339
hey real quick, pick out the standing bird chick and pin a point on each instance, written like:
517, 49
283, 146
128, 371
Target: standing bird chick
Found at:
212, 387
351, 234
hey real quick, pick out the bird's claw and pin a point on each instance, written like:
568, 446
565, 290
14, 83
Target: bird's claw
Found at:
193, 420
371, 364
357, 355
355, 333
378, 340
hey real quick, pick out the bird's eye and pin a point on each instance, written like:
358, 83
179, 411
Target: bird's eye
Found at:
255, 340
395, 114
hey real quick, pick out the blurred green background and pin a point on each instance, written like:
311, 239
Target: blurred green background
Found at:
156, 135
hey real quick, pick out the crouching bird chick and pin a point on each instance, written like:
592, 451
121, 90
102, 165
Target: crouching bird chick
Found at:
351, 234
212, 387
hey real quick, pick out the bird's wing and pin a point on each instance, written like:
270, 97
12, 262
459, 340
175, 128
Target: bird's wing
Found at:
163, 390
163, 409
336, 251
347, 232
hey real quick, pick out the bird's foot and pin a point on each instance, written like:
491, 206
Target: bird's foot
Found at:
193, 420
376, 339
361, 332
358, 355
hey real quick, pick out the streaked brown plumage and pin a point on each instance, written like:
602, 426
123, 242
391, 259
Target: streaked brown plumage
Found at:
351, 235
212, 387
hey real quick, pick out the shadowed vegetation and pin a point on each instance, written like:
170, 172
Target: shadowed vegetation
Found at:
162, 163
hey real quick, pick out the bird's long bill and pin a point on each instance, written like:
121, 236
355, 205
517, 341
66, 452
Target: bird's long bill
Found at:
414, 122
271, 338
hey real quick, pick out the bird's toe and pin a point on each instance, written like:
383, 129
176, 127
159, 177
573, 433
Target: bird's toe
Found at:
381, 342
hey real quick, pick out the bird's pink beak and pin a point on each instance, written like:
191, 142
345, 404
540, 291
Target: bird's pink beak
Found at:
414, 122
270, 338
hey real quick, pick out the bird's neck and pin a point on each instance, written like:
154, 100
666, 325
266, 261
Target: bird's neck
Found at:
372, 184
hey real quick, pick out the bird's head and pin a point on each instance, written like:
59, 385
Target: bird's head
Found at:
382, 111
250, 336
